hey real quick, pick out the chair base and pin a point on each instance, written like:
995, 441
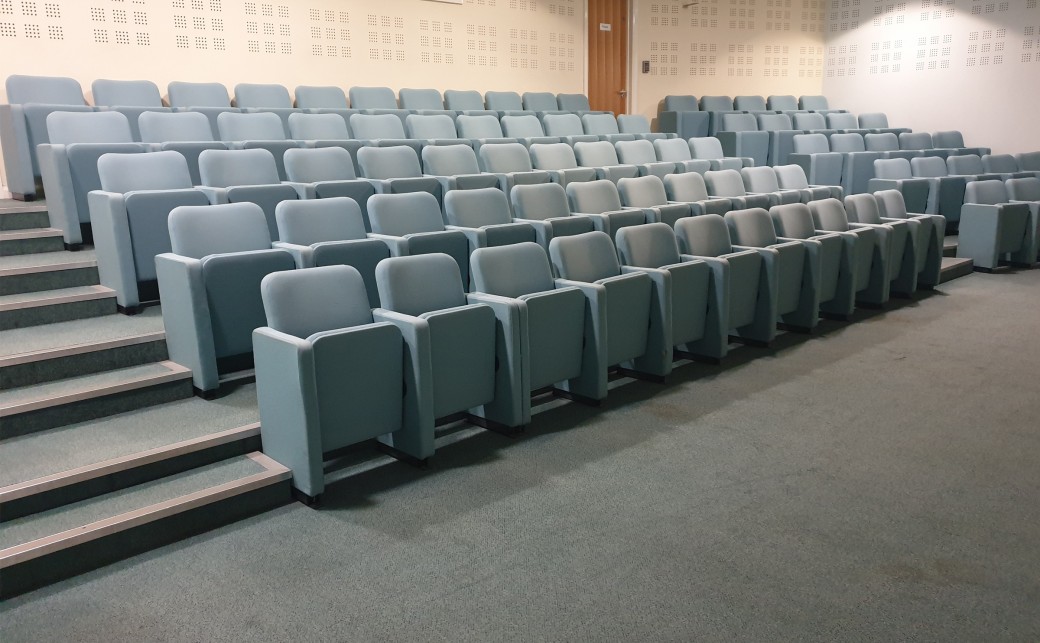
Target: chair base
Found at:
494, 427
693, 357
314, 502
638, 375
23, 197
747, 341
870, 305
567, 395
835, 316
418, 463
73, 247
801, 330
209, 395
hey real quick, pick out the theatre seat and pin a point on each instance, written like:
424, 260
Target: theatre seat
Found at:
682, 115
867, 246
456, 168
511, 164
599, 200
239, 176
605, 126
920, 194
648, 194
902, 236
546, 207
812, 152
689, 188
710, 149
792, 177
396, 170
326, 172
993, 230
526, 129
412, 224
602, 156
131, 98
187, 133
260, 130
483, 215
678, 151
567, 127
559, 161
729, 184
639, 125
929, 244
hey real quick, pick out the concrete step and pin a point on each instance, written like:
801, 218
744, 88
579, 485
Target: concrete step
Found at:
37, 308
49, 546
40, 407
25, 217
23, 242
954, 267
47, 271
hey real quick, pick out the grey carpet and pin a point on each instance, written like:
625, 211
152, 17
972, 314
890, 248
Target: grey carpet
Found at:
879, 481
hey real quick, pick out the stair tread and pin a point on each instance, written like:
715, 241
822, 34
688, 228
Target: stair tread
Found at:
15, 206
112, 504
41, 259
45, 453
83, 384
30, 233
43, 297
79, 332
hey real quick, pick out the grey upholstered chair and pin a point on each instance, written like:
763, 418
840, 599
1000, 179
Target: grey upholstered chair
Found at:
740, 137
762, 180
321, 97
781, 135
857, 163
920, 194
993, 230
643, 156
953, 142
1006, 166
677, 151
682, 115
559, 161
639, 126
813, 153
412, 224
567, 127
929, 243
540, 102
420, 99
326, 129
131, 98
396, 170
240, 176
433, 129
948, 189
605, 126
484, 216
602, 156
545, 206
464, 101
647, 193
503, 102
526, 129
689, 187
259, 130
728, 184
265, 98
710, 149
887, 145
867, 246
209, 99
792, 177
326, 172
382, 130
599, 200
511, 164
188, 133
877, 123
573, 103
902, 237
481, 129
456, 167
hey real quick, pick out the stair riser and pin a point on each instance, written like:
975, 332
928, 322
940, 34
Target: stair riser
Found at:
24, 220
38, 315
78, 559
955, 272
31, 246
54, 498
82, 364
81, 411
50, 280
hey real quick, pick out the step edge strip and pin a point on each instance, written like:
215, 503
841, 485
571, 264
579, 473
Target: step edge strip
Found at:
30, 233
95, 292
40, 547
119, 464
47, 267
176, 372
79, 349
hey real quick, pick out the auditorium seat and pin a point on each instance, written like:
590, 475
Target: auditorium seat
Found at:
526, 128
396, 170
327, 374
750, 104
689, 187
131, 98
868, 248
567, 127
483, 215
845, 123
210, 287
559, 161
1028, 161
260, 97
920, 194
455, 167
729, 184
575, 103
503, 102
813, 123
903, 236
418, 100
511, 164
540, 102
187, 133
602, 156
762, 180
877, 123
783, 103
1006, 165
237, 176
605, 126
887, 145
326, 129
993, 230
464, 101
259, 130
971, 165
949, 189
412, 224
792, 177
682, 116
953, 141
647, 193
921, 142
373, 98
928, 246
1026, 191
857, 166
210, 99
679, 152
327, 97
814, 103
325, 173
642, 155
546, 207
382, 130
717, 107
599, 200
481, 130
740, 137
710, 149
639, 125
433, 129
781, 136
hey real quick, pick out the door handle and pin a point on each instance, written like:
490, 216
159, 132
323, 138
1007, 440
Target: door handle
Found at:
623, 92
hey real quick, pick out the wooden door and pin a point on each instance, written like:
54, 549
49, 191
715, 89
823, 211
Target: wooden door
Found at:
608, 55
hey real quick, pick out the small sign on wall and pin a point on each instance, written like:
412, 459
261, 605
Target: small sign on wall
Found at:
604, 26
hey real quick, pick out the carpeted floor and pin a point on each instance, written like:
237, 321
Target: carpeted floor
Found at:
878, 481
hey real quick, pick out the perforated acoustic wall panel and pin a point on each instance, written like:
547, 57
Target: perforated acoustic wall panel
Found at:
969, 65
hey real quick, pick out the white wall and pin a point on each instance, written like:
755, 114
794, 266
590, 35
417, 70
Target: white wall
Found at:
968, 65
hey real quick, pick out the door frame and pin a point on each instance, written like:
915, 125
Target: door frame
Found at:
632, 66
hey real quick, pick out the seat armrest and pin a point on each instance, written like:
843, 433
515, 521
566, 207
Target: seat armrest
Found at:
418, 440
115, 260
398, 245
513, 375
186, 318
302, 255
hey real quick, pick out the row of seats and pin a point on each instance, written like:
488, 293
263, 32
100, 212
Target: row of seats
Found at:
691, 117
1000, 222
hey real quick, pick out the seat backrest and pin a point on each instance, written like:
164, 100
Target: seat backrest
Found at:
687, 186
399, 161
587, 257
949, 138
706, 235
716, 104
505, 157
593, 197
759, 179
553, 156
540, 101
883, 142
673, 149
929, 166
308, 221
600, 124
965, 164
522, 126
809, 121
372, 98
126, 93
304, 302
540, 201
124, 173
449, 160
503, 101
320, 97
915, 141
724, 183
258, 126
1028, 161
407, 213
793, 220
225, 168
829, 214
986, 192
186, 94
785, 102
426, 98
420, 283
891, 204
642, 191
813, 102
1027, 189
163, 127
318, 127
463, 100
863, 208
512, 270
892, 169
318, 164
430, 126
562, 125
1003, 163
791, 177
598, 154
376, 126
706, 147
847, 143
633, 124
50, 90
199, 231
750, 103
648, 246
262, 95
573, 102
482, 126
842, 120
476, 208
873, 120
66, 128
680, 103
752, 227
774, 122
637, 151
739, 123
